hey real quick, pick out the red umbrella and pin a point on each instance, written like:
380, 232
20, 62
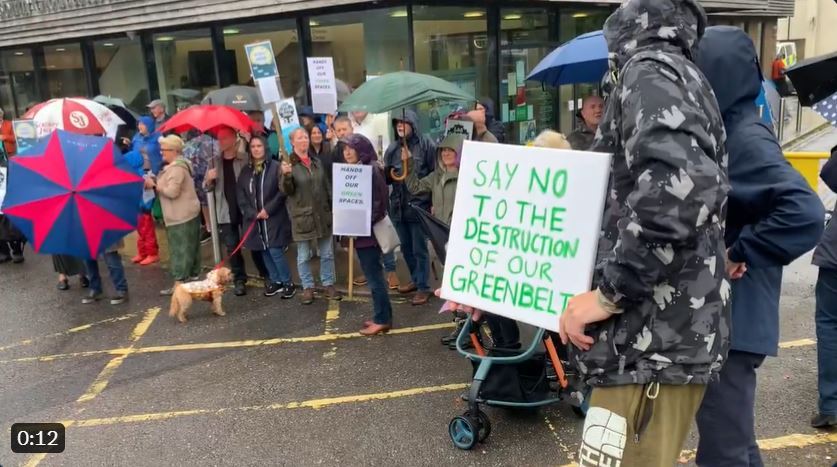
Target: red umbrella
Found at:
208, 119
76, 115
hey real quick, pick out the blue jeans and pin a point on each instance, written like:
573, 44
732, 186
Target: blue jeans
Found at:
414, 249
370, 262
389, 261
325, 245
826, 320
278, 270
115, 269
726, 416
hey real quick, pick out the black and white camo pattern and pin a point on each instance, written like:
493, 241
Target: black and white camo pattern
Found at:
661, 255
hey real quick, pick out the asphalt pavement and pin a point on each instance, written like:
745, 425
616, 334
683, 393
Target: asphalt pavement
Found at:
278, 383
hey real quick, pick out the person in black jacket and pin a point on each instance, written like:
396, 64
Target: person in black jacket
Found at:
413, 240
825, 256
773, 218
261, 201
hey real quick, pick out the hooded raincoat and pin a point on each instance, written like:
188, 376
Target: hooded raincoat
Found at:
423, 152
774, 216
441, 183
662, 249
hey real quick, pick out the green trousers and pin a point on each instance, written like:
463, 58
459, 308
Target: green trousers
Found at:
638, 426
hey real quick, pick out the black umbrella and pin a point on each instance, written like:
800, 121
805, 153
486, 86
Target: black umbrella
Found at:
436, 230
245, 98
815, 78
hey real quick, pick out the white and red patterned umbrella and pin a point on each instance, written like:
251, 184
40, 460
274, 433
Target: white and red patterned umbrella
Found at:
76, 115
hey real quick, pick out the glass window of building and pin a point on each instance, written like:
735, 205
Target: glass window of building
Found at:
120, 66
525, 39
451, 43
17, 82
573, 23
185, 67
64, 71
362, 43
286, 48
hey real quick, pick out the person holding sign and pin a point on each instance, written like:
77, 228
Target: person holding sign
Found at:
441, 183
655, 331
261, 201
359, 150
308, 190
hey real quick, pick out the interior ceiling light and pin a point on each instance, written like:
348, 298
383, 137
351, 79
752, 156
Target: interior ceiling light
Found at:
399, 14
108, 44
580, 15
231, 31
512, 16
18, 53
474, 14
313, 23
60, 49
165, 39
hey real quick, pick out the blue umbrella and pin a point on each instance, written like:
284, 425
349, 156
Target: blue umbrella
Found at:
581, 60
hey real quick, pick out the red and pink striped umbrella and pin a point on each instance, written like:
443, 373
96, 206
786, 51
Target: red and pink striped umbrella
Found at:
76, 115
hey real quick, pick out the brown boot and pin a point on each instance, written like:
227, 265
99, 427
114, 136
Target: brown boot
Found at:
409, 288
392, 281
332, 294
375, 329
360, 281
307, 296
420, 298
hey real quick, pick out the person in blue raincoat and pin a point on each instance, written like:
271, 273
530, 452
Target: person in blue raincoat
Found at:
773, 218
146, 158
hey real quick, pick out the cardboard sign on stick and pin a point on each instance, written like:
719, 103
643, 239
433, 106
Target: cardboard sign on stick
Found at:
525, 229
352, 200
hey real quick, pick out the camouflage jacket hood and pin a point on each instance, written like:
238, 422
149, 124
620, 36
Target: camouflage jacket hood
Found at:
661, 255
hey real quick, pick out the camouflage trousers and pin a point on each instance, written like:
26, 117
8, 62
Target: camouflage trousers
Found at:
638, 426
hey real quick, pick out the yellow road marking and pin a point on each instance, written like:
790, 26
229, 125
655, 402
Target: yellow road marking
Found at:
797, 343
771, 444
332, 314
35, 460
101, 381
225, 345
69, 331
315, 404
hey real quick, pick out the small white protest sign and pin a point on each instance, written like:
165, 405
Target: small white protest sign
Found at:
352, 200
3, 178
525, 229
323, 85
460, 127
286, 109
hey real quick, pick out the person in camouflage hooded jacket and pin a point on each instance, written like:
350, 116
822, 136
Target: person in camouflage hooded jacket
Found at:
660, 314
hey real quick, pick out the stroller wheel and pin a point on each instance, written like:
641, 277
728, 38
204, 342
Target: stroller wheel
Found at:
484, 424
463, 433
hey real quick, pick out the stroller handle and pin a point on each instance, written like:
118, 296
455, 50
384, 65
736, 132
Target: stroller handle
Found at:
465, 334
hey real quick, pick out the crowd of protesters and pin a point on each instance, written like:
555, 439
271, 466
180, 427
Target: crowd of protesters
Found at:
721, 244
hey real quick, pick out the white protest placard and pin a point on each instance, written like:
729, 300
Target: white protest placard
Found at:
286, 109
525, 229
352, 199
323, 85
3, 173
460, 127
269, 90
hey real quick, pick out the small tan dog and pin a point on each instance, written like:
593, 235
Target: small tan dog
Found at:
210, 289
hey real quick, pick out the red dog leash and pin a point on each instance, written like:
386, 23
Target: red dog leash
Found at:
240, 244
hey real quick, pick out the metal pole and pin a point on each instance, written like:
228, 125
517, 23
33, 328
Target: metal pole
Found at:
781, 119
798, 117
213, 226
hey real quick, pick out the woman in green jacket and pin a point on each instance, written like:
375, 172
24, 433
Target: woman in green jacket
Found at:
308, 189
441, 183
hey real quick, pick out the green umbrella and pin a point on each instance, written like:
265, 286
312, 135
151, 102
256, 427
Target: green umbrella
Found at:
402, 89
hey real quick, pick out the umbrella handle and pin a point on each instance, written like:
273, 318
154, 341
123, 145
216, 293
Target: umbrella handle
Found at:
404, 167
